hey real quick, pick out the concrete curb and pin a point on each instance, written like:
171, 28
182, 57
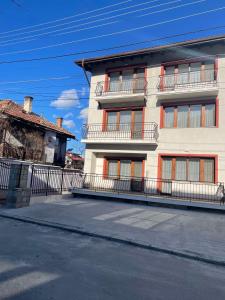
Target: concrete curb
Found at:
120, 240
153, 201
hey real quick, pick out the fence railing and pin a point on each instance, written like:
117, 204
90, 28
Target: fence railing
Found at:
49, 180
136, 131
192, 191
192, 79
129, 86
4, 175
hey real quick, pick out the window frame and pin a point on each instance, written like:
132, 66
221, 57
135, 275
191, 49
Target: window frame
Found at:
118, 160
201, 158
120, 70
175, 106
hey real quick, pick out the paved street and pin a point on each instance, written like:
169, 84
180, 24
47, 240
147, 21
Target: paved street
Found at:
43, 263
193, 233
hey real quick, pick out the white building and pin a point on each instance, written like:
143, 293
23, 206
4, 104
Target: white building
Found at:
158, 113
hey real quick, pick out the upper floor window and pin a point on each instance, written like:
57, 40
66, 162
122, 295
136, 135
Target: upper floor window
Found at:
125, 120
188, 73
127, 80
189, 115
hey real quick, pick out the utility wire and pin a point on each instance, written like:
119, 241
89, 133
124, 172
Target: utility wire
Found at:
90, 17
114, 47
65, 18
115, 33
87, 28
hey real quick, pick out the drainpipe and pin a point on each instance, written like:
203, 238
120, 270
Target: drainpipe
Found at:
85, 73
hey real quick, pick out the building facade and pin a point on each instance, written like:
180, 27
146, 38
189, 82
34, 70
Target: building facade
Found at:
158, 113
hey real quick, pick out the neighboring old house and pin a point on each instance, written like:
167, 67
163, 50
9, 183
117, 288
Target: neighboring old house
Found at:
28, 136
74, 161
159, 113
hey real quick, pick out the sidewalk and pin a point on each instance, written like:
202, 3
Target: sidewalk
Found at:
192, 234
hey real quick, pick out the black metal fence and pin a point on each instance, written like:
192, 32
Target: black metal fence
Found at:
123, 131
50, 180
4, 175
193, 191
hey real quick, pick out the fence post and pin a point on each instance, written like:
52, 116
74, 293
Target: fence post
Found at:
62, 182
47, 182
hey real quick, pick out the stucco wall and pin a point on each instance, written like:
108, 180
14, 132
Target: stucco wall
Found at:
174, 141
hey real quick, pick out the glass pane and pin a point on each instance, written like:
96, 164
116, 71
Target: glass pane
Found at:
114, 83
127, 80
210, 115
112, 119
209, 170
167, 168
140, 80
195, 116
194, 170
169, 117
181, 169
138, 169
183, 74
125, 120
182, 116
112, 168
195, 72
137, 130
169, 78
125, 168
209, 71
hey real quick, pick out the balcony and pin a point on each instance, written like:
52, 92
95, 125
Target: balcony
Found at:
188, 85
116, 91
139, 133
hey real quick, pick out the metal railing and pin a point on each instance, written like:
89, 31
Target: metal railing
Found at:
192, 191
49, 180
136, 131
115, 87
192, 79
4, 175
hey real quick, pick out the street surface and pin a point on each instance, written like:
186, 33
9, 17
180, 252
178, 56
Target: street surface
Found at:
40, 263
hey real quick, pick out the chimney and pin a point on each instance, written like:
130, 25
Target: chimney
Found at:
27, 106
59, 122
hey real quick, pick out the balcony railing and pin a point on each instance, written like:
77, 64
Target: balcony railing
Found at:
122, 132
115, 87
188, 80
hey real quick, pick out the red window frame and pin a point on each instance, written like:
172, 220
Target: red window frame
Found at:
189, 156
200, 102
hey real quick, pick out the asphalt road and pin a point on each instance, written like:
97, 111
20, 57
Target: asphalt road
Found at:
43, 263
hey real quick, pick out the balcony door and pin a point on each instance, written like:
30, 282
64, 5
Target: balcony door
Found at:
127, 122
130, 80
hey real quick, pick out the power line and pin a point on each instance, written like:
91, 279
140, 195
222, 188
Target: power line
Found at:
114, 47
100, 25
115, 33
87, 18
65, 18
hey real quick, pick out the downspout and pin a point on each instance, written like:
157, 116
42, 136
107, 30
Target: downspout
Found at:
85, 73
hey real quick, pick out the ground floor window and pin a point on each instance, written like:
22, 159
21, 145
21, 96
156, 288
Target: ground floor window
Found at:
123, 168
188, 168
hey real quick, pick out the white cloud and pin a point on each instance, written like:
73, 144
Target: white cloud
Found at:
83, 114
68, 115
69, 123
67, 99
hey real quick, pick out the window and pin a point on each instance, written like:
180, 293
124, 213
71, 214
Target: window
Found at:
188, 73
123, 168
129, 121
190, 115
188, 169
127, 80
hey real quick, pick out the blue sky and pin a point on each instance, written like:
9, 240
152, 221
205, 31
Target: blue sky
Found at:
69, 82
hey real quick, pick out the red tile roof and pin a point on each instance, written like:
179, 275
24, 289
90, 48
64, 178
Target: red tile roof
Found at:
10, 108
